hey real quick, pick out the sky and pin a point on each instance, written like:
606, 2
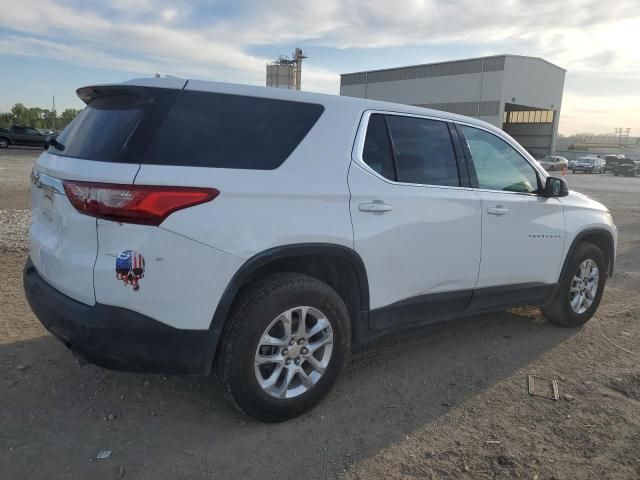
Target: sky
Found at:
52, 47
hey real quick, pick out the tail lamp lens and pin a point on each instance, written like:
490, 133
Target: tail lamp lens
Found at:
141, 204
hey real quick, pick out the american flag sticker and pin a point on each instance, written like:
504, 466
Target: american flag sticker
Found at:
130, 268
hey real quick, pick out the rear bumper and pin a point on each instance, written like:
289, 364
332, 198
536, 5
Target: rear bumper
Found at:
117, 338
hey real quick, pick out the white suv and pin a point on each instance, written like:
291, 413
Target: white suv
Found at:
181, 225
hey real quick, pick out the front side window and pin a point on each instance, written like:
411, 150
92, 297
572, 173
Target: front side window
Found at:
498, 165
423, 151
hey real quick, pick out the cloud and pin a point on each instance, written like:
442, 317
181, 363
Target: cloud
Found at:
211, 39
213, 36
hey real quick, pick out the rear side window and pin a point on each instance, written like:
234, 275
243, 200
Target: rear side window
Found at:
231, 131
423, 151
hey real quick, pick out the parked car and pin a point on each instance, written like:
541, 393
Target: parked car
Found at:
627, 167
611, 162
553, 162
25, 136
265, 233
588, 165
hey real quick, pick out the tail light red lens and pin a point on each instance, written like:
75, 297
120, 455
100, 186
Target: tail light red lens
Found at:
142, 204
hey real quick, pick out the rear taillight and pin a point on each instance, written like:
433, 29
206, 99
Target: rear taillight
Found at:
143, 204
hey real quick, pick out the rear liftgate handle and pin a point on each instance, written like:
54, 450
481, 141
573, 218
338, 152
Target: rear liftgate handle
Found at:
377, 206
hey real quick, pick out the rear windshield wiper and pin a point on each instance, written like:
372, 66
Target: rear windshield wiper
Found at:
56, 144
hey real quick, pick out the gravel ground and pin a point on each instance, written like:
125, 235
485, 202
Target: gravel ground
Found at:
15, 168
14, 228
450, 401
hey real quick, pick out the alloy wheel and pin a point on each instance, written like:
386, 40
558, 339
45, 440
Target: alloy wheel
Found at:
584, 286
293, 352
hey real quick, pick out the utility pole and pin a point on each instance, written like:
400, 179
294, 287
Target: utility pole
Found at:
54, 112
622, 134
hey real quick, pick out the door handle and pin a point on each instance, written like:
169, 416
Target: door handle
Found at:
377, 206
498, 210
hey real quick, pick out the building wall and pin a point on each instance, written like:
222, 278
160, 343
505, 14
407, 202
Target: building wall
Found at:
477, 88
532, 82
455, 93
280, 76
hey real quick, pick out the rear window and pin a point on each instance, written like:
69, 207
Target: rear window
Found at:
101, 129
231, 131
177, 127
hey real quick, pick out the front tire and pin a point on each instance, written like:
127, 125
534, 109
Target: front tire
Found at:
285, 344
4, 142
581, 288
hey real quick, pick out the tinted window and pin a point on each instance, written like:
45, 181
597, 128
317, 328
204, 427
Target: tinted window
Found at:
19, 130
377, 151
498, 165
231, 131
423, 151
176, 127
100, 130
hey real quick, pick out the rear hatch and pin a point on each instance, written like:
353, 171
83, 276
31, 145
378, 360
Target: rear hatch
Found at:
100, 145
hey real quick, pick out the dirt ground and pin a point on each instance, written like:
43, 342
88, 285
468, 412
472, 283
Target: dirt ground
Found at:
448, 402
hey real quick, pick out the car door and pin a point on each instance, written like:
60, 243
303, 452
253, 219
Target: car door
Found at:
19, 135
522, 231
416, 221
33, 137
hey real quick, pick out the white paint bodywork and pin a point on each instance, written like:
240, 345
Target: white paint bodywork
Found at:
435, 239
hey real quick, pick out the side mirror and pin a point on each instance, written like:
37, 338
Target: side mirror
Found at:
555, 187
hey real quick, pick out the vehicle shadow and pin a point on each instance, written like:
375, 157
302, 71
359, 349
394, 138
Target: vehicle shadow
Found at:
56, 417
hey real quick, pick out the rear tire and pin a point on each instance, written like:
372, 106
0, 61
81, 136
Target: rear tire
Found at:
568, 308
271, 380
4, 142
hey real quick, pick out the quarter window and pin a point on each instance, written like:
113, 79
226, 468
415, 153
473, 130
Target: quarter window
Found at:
377, 151
498, 165
231, 131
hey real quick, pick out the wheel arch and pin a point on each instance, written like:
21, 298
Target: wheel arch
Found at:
600, 237
338, 266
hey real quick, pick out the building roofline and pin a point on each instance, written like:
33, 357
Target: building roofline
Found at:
456, 61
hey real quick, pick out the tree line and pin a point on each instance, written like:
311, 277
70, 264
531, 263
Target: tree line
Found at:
37, 117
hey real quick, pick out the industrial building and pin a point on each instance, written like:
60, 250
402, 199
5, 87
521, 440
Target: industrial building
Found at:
286, 72
521, 95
